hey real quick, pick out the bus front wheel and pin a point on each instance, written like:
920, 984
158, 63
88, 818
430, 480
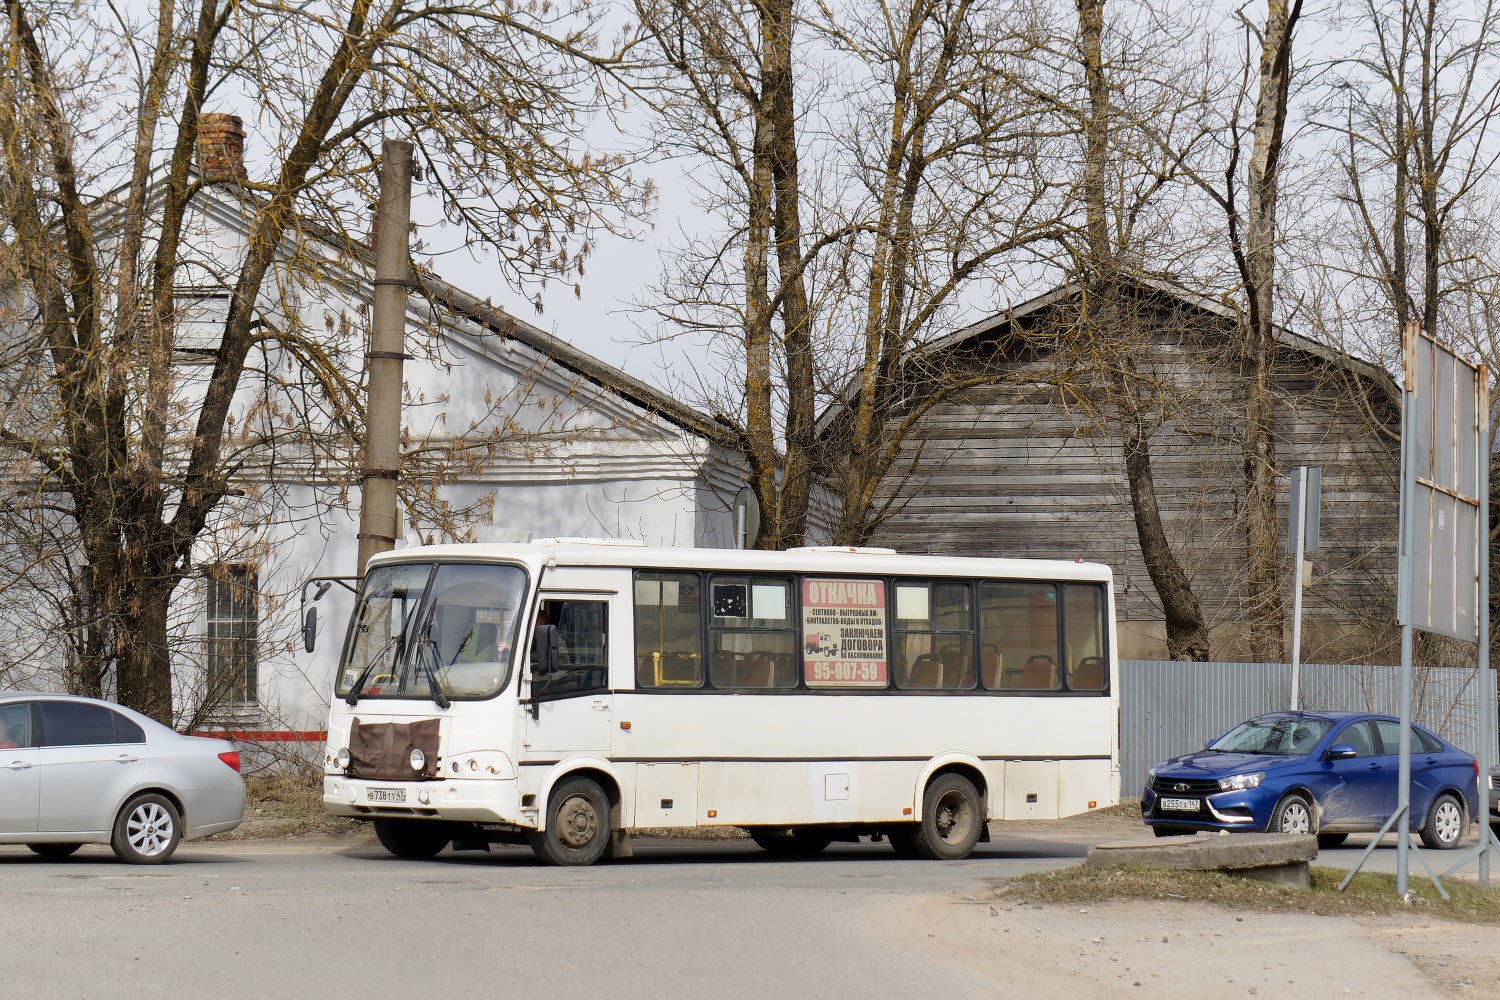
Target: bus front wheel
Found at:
952, 819
412, 838
577, 825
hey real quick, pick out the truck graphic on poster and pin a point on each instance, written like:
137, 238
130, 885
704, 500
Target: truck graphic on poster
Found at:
821, 643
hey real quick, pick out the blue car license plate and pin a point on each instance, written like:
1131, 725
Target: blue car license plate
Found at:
1180, 805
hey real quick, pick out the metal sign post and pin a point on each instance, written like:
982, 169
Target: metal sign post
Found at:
1443, 563
1301, 538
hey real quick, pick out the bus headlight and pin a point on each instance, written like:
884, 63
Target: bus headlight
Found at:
418, 759
341, 760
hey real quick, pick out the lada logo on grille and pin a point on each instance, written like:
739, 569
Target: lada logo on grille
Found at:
1181, 786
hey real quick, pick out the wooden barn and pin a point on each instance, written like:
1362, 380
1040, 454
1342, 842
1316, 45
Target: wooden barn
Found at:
1016, 450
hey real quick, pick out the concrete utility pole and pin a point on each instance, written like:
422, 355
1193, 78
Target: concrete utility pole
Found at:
382, 465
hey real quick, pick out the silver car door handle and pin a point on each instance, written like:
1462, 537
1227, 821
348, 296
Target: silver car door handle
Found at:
126, 758
19, 765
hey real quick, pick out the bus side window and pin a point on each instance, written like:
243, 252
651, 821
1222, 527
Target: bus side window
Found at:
668, 631
583, 652
1083, 627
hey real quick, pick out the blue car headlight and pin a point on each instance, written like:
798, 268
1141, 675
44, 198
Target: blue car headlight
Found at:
1240, 782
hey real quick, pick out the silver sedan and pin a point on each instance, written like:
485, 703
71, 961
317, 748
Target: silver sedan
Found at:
77, 771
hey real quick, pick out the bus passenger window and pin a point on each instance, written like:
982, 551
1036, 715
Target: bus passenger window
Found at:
668, 631
751, 639
1083, 630
1018, 637
934, 635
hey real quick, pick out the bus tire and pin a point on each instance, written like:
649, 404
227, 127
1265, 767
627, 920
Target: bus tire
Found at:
797, 843
412, 838
952, 816
904, 840
578, 829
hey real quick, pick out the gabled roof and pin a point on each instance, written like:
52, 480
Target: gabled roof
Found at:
1056, 296
491, 318
1040, 304
622, 384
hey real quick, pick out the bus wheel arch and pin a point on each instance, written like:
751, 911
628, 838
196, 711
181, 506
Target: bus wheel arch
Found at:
582, 820
952, 810
956, 763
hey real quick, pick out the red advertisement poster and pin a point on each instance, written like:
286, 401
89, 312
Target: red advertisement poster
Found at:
843, 633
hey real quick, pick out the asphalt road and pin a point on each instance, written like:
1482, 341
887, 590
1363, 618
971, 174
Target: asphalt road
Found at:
685, 919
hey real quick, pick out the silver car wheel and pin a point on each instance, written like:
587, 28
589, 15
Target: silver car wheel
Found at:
149, 829
1445, 824
1294, 817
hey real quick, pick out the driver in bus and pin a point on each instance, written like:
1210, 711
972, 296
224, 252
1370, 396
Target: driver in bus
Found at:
482, 645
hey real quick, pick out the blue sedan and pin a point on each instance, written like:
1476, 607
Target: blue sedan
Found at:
1326, 773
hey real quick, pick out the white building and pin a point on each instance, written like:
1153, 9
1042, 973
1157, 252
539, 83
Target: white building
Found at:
512, 433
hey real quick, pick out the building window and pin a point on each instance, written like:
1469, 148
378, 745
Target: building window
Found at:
233, 616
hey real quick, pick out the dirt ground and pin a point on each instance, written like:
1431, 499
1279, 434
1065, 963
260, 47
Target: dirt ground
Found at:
1190, 950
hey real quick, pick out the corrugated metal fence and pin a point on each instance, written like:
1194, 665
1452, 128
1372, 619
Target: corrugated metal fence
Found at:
1170, 707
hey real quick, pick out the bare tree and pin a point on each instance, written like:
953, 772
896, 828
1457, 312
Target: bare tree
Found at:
1256, 247
1409, 116
137, 456
1133, 157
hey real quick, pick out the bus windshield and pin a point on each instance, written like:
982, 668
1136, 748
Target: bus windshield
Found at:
420, 622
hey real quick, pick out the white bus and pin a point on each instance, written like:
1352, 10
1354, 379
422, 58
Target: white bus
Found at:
563, 693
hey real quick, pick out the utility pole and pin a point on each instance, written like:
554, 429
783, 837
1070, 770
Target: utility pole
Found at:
382, 457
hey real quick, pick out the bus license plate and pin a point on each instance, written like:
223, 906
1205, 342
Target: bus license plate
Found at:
1180, 805
386, 795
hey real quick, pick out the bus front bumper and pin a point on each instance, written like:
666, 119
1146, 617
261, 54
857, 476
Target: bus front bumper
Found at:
486, 800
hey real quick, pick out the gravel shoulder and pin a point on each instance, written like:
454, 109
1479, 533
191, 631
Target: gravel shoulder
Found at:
1181, 948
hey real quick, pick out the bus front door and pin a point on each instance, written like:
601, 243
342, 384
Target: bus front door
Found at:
570, 709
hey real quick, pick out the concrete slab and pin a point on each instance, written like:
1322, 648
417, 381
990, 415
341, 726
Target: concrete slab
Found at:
1272, 857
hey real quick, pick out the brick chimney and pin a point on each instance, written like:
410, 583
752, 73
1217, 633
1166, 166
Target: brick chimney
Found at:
220, 152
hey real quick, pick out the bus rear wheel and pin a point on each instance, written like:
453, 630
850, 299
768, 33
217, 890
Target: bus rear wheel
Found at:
412, 838
952, 819
578, 828
796, 843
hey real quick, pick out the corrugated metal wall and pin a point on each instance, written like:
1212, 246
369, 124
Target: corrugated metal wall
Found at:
1171, 707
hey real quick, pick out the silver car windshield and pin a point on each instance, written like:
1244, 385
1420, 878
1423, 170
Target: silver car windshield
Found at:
1275, 735
455, 622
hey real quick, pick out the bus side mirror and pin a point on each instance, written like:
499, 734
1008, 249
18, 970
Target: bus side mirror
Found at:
310, 629
544, 655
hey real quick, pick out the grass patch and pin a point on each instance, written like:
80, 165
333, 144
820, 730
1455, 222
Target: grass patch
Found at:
288, 802
1370, 893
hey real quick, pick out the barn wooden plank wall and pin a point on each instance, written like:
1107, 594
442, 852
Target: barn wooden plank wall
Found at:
1030, 464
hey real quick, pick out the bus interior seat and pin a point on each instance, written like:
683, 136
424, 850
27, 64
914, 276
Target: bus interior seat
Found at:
1039, 673
755, 671
1089, 674
926, 672
682, 669
956, 667
646, 672
724, 668
989, 658
785, 672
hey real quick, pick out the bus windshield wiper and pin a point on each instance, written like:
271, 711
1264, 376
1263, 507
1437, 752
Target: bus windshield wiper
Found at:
434, 686
352, 698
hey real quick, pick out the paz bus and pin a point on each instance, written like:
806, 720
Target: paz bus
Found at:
563, 693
